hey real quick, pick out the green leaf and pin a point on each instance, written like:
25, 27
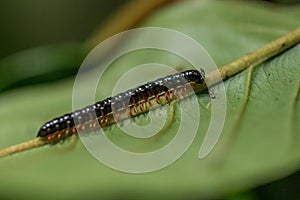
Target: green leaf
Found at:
263, 137
41, 64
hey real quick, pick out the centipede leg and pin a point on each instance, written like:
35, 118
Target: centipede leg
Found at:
157, 99
141, 107
70, 146
73, 140
167, 96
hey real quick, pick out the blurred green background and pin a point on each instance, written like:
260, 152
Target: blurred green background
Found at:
32, 23
44, 41
48, 34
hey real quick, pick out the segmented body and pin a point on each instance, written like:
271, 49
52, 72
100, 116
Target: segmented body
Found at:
125, 105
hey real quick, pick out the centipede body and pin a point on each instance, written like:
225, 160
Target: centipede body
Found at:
125, 105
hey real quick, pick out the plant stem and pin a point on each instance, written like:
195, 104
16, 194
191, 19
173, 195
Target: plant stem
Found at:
254, 58
22, 147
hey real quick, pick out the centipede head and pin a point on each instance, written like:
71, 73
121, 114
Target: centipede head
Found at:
45, 130
195, 76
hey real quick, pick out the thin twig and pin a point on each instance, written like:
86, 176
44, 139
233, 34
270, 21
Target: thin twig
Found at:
37, 142
252, 59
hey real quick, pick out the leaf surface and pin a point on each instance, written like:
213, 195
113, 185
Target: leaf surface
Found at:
263, 136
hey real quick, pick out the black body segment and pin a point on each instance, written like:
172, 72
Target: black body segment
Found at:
124, 105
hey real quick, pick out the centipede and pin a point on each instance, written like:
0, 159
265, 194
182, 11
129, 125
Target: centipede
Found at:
122, 106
